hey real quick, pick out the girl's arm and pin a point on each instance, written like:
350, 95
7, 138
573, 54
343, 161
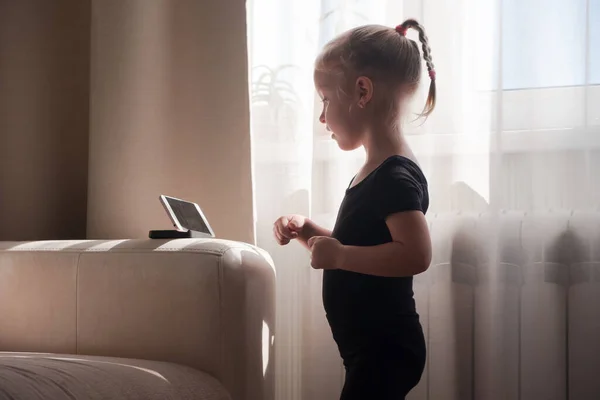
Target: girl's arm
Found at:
311, 229
408, 254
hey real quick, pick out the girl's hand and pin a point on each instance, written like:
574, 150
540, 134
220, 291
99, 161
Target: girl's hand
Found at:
327, 252
288, 227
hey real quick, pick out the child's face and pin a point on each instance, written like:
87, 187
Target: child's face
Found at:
340, 112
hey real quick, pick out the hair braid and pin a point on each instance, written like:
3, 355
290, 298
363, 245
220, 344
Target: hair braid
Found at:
431, 98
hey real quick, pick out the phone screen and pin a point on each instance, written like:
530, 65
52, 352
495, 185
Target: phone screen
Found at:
188, 216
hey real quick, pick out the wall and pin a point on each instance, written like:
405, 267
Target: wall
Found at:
44, 119
169, 114
160, 90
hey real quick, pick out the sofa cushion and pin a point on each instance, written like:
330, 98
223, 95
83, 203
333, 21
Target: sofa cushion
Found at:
35, 376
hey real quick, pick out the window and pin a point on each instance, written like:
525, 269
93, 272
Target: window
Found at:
545, 43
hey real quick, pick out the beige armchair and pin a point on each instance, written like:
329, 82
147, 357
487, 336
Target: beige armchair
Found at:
136, 319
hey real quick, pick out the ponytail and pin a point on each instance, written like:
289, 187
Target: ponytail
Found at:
431, 97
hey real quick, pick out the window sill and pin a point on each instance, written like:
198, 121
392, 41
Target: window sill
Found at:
507, 142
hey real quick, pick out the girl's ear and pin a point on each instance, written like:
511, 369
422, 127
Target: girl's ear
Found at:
364, 91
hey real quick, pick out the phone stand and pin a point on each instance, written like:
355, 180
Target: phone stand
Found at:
176, 234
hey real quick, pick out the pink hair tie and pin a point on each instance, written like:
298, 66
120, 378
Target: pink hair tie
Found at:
401, 29
432, 74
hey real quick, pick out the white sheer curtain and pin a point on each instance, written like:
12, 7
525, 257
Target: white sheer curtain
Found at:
512, 155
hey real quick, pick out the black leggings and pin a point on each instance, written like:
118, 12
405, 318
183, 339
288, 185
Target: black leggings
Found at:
382, 372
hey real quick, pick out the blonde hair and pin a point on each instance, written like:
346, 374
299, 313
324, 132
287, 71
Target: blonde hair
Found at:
383, 54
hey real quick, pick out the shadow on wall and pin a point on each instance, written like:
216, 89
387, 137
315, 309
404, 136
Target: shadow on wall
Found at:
44, 118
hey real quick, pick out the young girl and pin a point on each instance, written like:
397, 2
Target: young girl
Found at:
380, 239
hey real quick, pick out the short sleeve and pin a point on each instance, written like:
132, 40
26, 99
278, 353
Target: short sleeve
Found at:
398, 188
